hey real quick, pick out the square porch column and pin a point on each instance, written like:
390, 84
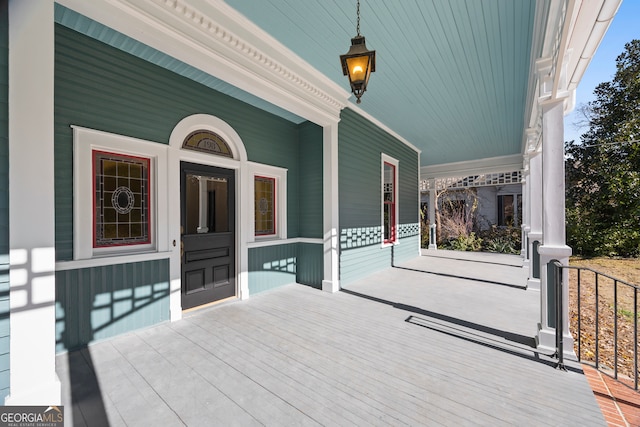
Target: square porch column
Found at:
534, 237
524, 251
553, 227
330, 212
33, 378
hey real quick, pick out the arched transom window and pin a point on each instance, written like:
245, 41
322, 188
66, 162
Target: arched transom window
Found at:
207, 142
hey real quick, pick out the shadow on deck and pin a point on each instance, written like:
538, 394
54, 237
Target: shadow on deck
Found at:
405, 347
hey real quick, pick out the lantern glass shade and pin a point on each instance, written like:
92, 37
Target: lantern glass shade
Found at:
358, 64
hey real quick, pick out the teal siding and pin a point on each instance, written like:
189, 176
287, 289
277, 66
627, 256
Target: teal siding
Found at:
310, 264
101, 302
100, 87
408, 248
271, 267
356, 263
274, 266
311, 181
361, 145
4, 199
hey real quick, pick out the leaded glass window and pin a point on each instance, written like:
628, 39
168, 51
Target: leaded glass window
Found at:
264, 205
389, 196
121, 200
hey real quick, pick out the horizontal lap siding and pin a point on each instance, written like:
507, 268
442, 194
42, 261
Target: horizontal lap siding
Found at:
101, 302
4, 200
311, 181
100, 87
274, 266
103, 88
360, 146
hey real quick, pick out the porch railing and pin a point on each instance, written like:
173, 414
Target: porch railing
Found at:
612, 298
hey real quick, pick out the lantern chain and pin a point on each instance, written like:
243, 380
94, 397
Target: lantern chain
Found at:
358, 14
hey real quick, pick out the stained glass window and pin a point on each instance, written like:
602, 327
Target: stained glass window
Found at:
121, 200
389, 202
264, 204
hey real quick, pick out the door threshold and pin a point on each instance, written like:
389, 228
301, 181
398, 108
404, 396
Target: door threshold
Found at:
209, 304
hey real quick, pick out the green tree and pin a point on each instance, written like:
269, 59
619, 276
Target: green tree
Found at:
603, 169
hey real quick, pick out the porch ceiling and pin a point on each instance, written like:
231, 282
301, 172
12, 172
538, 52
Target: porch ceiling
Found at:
451, 77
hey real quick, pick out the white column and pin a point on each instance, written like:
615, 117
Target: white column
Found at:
33, 378
535, 218
525, 214
553, 223
331, 214
432, 213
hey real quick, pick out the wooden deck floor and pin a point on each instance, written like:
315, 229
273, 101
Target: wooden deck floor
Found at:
415, 345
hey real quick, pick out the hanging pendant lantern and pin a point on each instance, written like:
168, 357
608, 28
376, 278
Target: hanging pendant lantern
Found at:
358, 63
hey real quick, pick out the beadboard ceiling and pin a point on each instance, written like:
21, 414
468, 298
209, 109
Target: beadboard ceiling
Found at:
451, 75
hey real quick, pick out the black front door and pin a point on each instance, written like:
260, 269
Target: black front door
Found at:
208, 234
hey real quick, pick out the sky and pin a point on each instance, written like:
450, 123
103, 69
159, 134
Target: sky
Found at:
624, 28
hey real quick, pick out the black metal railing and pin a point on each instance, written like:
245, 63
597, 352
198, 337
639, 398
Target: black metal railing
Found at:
610, 297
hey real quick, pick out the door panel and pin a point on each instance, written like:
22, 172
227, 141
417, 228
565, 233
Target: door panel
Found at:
208, 239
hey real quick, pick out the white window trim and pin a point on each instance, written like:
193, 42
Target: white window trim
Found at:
388, 159
86, 140
280, 176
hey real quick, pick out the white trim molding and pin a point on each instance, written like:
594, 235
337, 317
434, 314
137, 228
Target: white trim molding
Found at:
396, 165
218, 40
85, 141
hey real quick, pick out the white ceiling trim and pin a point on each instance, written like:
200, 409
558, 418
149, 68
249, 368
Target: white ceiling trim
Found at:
509, 163
228, 47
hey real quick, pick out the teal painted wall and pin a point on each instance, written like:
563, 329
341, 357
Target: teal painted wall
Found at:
100, 87
274, 266
4, 199
271, 267
101, 302
310, 180
360, 146
310, 264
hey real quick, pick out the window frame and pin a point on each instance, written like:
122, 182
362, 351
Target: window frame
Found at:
86, 142
394, 163
516, 205
274, 203
279, 175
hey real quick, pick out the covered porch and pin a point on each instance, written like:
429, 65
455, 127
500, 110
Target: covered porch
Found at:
434, 341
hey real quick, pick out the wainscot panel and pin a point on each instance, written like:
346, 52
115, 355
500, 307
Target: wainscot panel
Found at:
271, 267
101, 302
310, 264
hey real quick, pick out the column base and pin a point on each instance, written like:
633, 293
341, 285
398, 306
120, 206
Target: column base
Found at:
546, 342
434, 247
533, 284
49, 394
330, 286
